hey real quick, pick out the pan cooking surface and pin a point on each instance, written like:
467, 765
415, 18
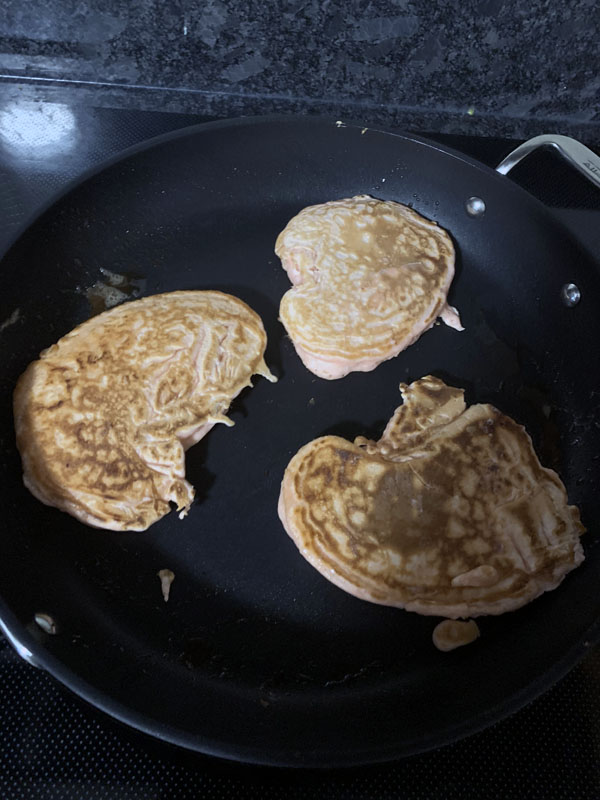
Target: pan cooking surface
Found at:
256, 656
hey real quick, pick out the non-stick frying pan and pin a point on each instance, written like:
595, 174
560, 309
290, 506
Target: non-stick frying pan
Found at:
255, 656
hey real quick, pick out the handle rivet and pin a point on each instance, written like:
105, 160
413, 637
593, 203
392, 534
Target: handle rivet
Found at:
475, 207
570, 295
46, 623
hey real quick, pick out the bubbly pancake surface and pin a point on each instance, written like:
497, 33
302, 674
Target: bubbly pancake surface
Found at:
104, 416
450, 513
370, 276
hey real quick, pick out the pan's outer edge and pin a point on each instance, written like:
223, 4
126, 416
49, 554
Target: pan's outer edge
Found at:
192, 130
327, 760
247, 754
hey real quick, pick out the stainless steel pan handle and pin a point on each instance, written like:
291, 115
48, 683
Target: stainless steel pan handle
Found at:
577, 154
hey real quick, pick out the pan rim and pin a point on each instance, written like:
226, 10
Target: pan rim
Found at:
252, 121
245, 754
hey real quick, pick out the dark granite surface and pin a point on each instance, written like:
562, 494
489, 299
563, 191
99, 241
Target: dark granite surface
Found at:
494, 67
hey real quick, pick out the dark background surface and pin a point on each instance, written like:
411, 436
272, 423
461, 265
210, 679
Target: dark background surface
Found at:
480, 67
52, 746
80, 81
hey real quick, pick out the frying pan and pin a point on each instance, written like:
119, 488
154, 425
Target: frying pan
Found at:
256, 657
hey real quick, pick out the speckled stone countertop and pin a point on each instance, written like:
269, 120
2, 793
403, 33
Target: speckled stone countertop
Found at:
494, 67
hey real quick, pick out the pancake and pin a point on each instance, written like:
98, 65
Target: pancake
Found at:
104, 416
452, 633
450, 513
370, 276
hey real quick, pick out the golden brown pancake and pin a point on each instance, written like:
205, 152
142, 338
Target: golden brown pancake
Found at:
104, 416
370, 276
450, 513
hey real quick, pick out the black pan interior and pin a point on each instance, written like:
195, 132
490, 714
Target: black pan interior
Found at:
256, 656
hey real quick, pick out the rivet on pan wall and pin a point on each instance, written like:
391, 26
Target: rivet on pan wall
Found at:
46, 623
475, 207
570, 294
